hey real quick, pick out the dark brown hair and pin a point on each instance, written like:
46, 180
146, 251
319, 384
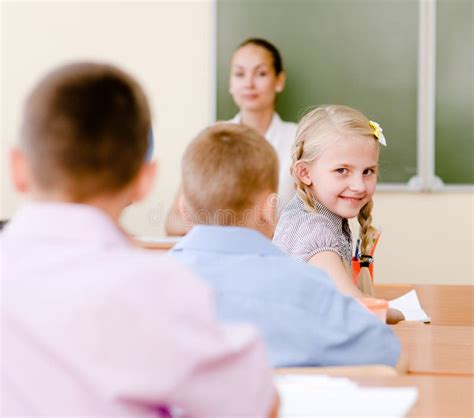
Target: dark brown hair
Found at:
85, 130
224, 170
276, 57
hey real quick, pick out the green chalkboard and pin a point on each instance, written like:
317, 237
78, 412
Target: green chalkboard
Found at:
362, 53
454, 92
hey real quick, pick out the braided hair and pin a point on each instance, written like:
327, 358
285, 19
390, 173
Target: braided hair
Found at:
316, 131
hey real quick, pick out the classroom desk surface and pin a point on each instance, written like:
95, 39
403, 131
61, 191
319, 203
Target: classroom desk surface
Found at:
437, 349
159, 246
446, 304
432, 350
346, 371
438, 396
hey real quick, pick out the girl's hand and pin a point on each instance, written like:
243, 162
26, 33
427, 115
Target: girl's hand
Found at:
394, 316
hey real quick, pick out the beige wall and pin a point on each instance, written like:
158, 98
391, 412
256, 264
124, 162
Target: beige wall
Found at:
164, 44
426, 237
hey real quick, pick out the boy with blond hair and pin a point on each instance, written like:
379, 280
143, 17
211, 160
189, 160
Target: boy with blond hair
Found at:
90, 325
229, 180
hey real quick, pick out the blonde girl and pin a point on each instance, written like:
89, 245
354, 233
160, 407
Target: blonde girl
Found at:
334, 166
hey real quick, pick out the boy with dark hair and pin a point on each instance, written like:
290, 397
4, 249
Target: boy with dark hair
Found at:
90, 325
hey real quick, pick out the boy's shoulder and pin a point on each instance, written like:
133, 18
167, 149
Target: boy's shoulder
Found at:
293, 282
122, 277
161, 271
299, 272
252, 272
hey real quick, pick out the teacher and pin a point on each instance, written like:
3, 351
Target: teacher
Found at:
256, 78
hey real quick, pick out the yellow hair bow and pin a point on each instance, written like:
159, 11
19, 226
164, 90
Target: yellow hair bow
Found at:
378, 132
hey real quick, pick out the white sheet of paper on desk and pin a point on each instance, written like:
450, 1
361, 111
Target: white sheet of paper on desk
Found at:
323, 396
410, 306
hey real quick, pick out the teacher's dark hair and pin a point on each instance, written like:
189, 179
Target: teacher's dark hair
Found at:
276, 57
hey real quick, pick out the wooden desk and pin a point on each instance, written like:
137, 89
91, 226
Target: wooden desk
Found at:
446, 304
163, 246
438, 396
160, 247
437, 349
372, 370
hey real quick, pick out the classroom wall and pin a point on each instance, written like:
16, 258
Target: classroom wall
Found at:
165, 44
426, 238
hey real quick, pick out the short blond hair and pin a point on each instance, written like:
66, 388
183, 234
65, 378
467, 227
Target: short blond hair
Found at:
317, 130
224, 171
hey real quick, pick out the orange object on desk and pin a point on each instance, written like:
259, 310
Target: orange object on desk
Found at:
377, 306
356, 270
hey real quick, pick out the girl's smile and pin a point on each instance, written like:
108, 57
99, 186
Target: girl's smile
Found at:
344, 176
354, 200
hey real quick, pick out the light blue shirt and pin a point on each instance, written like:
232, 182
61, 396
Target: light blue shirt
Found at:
303, 318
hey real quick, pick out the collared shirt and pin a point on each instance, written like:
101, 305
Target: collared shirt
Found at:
94, 327
302, 234
302, 317
281, 135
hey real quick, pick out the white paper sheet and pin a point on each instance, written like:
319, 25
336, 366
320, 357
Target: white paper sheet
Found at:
410, 306
324, 396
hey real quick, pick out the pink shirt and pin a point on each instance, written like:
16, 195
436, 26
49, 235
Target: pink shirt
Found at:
92, 326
